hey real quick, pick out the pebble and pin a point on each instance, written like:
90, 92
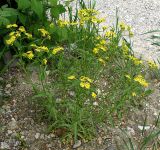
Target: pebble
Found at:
77, 144
9, 132
1, 79
131, 130
4, 145
37, 135
100, 140
13, 124
8, 86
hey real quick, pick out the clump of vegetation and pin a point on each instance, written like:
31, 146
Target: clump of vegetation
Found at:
88, 74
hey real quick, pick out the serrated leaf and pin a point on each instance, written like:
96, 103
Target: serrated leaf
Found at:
37, 7
23, 4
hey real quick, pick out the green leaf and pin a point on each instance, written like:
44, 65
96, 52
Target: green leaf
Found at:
57, 10
23, 4
37, 7
4, 21
53, 2
22, 18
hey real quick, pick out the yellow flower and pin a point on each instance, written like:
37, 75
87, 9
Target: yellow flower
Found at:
57, 49
17, 34
152, 65
125, 48
44, 61
22, 29
11, 40
95, 50
85, 85
29, 54
42, 48
94, 95
71, 77
29, 36
122, 26
11, 25
104, 28
135, 60
134, 94
62, 23
44, 33
140, 79
84, 79
110, 34
102, 61
12, 33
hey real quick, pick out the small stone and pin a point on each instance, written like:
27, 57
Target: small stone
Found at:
100, 140
1, 79
52, 135
95, 103
13, 124
131, 130
49, 145
9, 132
4, 145
37, 135
8, 86
77, 144
42, 136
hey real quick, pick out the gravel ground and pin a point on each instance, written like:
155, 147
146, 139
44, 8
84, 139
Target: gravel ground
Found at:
142, 15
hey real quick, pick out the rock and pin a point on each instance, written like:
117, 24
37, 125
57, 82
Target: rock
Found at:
4, 145
9, 132
1, 79
37, 135
52, 135
13, 124
77, 144
8, 86
131, 131
42, 136
95, 103
100, 140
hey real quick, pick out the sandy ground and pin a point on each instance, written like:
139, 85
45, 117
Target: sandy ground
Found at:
142, 15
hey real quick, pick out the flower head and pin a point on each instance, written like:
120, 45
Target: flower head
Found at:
11, 26
94, 95
29, 54
44, 61
72, 77
57, 49
140, 79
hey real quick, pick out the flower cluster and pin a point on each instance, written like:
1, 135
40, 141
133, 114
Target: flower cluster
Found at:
57, 49
89, 15
28, 54
152, 65
124, 27
135, 60
140, 79
44, 33
14, 35
101, 46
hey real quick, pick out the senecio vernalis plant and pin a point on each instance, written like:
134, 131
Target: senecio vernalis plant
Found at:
88, 73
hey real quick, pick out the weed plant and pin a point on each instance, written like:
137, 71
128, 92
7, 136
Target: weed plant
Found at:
88, 74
